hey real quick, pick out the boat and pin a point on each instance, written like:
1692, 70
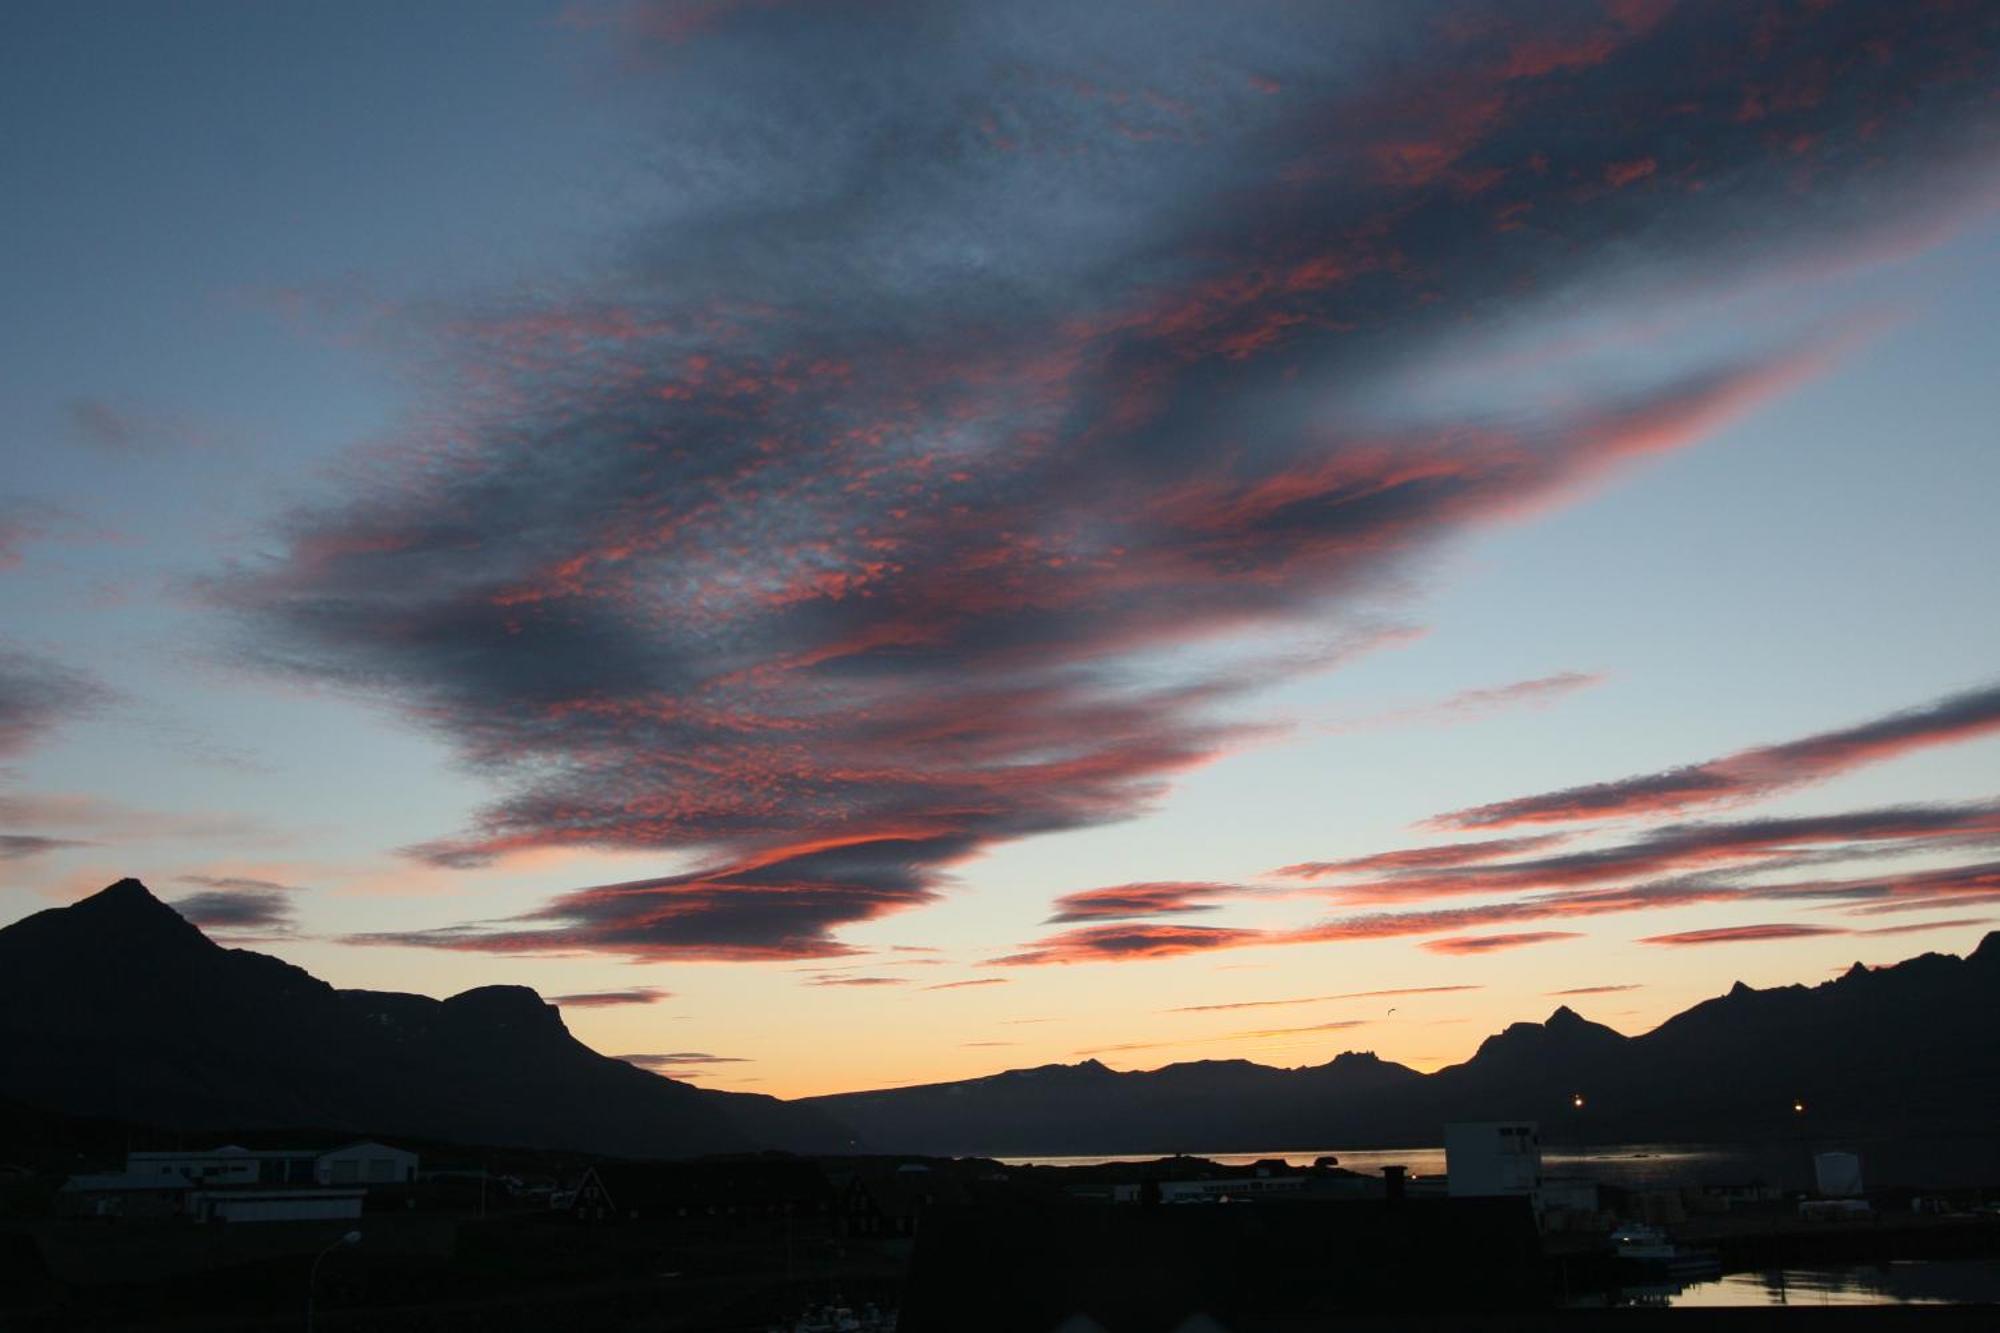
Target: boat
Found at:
1652, 1249
838, 1318
1639, 1241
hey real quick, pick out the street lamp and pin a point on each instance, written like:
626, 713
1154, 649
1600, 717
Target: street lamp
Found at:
312, 1278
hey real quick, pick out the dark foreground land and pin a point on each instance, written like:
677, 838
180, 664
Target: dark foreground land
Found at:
495, 1242
124, 1029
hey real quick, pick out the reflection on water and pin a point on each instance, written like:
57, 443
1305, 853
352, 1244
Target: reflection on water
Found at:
1922, 1163
1920, 1282
1630, 1164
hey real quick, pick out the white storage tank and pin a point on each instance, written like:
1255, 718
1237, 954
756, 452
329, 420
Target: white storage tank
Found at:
1837, 1175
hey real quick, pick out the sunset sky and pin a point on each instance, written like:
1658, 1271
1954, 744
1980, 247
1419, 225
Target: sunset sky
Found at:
867, 542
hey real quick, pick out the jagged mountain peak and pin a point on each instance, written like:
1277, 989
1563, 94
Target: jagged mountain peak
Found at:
501, 1000
1565, 1033
127, 899
1731, 1065
1083, 1067
501, 1010
1191, 1068
118, 1004
121, 920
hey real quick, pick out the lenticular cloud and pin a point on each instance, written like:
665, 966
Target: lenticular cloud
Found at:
937, 469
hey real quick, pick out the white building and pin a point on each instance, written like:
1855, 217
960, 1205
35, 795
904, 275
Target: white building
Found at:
121, 1194
354, 1164
227, 1165
1489, 1158
365, 1164
282, 1205
1837, 1175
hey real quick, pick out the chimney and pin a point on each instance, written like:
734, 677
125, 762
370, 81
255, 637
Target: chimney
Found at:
1392, 1182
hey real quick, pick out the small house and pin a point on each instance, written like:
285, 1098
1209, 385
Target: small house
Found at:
365, 1164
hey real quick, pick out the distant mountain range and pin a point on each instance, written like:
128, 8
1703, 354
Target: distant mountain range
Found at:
1903, 1051
117, 1007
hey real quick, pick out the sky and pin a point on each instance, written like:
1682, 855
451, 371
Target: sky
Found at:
854, 543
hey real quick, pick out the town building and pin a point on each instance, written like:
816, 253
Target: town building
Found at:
274, 1205
365, 1163
237, 1184
1571, 1203
227, 1165
122, 1194
1493, 1159
1837, 1175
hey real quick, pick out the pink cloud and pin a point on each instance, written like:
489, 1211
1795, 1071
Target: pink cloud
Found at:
606, 998
1473, 704
1744, 934
1138, 900
1474, 944
1093, 944
1321, 999
850, 543
1753, 773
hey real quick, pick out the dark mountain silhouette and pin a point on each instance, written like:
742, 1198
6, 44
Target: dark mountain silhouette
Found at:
1908, 1050
117, 1006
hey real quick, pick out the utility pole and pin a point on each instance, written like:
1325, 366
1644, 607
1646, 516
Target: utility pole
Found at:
312, 1278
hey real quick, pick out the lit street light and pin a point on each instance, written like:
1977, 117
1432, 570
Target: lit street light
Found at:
312, 1278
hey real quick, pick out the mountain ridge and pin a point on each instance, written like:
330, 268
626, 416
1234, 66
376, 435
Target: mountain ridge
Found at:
1918, 1050
117, 1006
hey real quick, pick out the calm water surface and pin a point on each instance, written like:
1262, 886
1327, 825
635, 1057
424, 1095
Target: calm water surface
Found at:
1622, 1164
1924, 1163
1919, 1282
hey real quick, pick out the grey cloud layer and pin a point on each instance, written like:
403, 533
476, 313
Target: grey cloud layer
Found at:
230, 911
1751, 773
38, 694
1675, 866
985, 351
